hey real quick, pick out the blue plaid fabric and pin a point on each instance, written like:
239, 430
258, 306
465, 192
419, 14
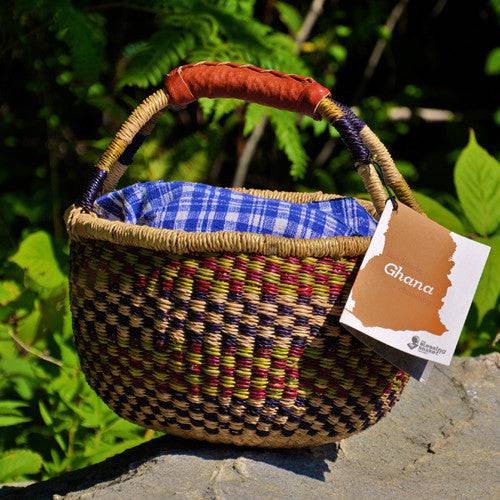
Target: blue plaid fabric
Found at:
201, 208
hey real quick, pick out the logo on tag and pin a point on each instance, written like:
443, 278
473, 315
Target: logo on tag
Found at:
414, 289
414, 342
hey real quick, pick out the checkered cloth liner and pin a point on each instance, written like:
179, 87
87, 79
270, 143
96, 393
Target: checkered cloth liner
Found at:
201, 208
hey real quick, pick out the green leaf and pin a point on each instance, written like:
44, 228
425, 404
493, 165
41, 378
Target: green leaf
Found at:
342, 31
123, 428
289, 140
407, 169
440, 214
207, 106
384, 32
496, 117
7, 405
203, 30
45, 413
492, 66
152, 60
60, 442
338, 52
28, 326
10, 413
253, 115
477, 181
84, 35
289, 16
240, 6
225, 106
36, 255
318, 126
8, 420
24, 387
105, 451
15, 464
488, 289
9, 291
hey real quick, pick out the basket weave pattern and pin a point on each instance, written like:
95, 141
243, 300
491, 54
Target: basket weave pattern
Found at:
230, 337
228, 347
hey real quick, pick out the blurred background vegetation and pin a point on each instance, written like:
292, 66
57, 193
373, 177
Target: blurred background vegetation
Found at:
421, 73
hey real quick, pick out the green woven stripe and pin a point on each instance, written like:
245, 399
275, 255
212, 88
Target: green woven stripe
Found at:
244, 347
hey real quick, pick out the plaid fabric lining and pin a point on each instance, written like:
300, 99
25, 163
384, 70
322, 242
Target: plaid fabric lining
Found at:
200, 208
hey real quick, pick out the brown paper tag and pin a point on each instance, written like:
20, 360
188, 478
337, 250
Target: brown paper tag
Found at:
414, 289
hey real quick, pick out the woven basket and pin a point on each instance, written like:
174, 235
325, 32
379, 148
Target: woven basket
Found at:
229, 337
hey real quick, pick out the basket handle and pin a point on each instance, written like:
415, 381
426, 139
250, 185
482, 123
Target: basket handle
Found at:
272, 88
300, 94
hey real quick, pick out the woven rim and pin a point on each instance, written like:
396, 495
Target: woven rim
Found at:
81, 224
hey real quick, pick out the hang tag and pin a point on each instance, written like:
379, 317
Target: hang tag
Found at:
413, 291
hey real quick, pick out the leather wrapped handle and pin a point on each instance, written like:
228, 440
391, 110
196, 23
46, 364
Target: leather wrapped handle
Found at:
296, 93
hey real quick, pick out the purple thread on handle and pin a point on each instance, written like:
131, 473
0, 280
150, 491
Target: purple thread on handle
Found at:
86, 199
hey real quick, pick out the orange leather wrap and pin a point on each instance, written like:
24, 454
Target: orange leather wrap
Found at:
272, 88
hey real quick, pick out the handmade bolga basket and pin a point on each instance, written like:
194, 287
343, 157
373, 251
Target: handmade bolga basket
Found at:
229, 337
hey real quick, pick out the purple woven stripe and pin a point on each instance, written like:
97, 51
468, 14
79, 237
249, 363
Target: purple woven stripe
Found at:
356, 122
128, 155
90, 193
347, 130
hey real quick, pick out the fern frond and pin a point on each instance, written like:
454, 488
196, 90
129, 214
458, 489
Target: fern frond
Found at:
256, 43
285, 57
194, 30
285, 128
244, 7
153, 59
218, 108
239, 29
318, 126
207, 106
84, 35
225, 106
253, 116
290, 16
181, 33
284, 124
82, 32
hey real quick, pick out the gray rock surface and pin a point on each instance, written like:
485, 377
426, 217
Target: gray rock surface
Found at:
440, 441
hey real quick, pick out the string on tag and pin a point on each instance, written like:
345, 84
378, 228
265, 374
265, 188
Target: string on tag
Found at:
390, 193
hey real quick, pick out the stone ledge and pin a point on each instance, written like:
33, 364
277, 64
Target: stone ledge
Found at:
440, 441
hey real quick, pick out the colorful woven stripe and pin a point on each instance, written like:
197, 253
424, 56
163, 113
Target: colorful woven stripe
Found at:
235, 348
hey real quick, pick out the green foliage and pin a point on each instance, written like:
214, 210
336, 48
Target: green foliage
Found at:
10, 413
36, 256
492, 66
477, 181
15, 465
288, 137
489, 287
82, 32
290, 16
286, 131
56, 422
408, 170
197, 30
84, 36
151, 60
